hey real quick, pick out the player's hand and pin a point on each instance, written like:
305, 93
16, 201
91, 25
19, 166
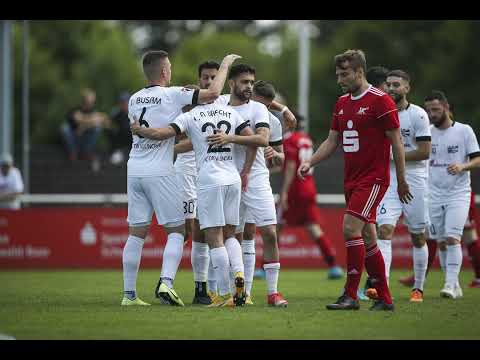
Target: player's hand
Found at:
404, 192
244, 177
219, 138
135, 126
284, 201
229, 59
454, 169
268, 153
303, 169
290, 120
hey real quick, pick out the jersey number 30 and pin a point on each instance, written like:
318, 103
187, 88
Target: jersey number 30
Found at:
350, 141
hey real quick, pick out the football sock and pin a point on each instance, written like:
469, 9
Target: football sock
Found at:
130, 295
385, 247
172, 255
221, 266
132, 254
376, 270
420, 261
248, 249
212, 280
234, 251
355, 261
453, 263
272, 271
442, 256
200, 259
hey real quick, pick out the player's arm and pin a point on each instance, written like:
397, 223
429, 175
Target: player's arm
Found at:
275, 154
288, 116
424, 147
216, 87
183, 146
250, 156
154, 133
399, 159
325, 150
246, 137
474, 162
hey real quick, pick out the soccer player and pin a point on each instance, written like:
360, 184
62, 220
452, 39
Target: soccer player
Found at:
298, 197
455, 152
415, 131
377, 76
365, 121
470, 239
151, 179
257, 199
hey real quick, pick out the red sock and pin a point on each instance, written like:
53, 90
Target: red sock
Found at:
474, 254
355, 261
376, 271
432, 252
328, 251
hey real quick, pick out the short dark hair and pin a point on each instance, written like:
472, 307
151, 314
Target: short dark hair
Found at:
238, 69
265, 89
207, 65
436, 95
151, 60
377, 75
401, 74
355, 58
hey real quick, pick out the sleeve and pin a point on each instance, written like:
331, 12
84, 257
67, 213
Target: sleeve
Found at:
183, 96
471, 143
334, 125
275, 131
180, 124
18, 186
261, 117
240, 122
387, 113
422, 126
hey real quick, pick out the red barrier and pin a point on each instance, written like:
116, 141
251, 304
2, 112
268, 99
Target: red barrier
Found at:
94, 238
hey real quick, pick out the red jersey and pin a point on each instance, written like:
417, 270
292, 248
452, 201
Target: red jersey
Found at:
362, 121
298, 147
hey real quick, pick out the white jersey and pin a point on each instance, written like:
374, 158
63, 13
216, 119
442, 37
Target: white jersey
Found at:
155, 107
452, 145
257, 116
216, 165
11, 183
276, 134
185, 163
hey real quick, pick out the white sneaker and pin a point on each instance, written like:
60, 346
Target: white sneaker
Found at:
448, 291
458, 291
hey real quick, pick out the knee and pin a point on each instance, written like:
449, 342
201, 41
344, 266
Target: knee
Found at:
385, 232
138, 231
269, 235
249, 231
418, 239
452, 241
442, 246
350, 231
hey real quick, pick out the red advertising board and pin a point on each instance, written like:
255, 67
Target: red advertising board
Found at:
94, 238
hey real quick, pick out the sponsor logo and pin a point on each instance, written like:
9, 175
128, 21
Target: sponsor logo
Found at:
405, 132
452, 149
353, 272
88, 235
340, 112
362, 110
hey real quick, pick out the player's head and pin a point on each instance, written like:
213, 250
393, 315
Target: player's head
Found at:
240, 79
350, 68
157, 66
263, 92
88, 98
437, 107
398, 85
206, 73
6, 162
377, 76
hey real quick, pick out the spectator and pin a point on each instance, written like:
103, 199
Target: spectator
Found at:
11, 184
82, 128
120, 134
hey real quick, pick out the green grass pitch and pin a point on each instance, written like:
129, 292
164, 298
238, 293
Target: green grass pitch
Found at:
86, 305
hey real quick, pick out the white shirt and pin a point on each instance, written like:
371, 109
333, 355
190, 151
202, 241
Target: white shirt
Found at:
276, 133
414, 125
257, 115
451, 145
155, 107
12, 183
216, 165
185, 163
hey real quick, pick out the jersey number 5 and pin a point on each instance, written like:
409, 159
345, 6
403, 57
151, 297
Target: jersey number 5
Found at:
211, 148
142, 121
350, 141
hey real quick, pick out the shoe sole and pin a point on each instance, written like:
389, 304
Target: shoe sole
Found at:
240, 297
447, 295
279, 305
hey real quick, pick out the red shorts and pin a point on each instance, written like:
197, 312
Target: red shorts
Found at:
472, 213
300, 212
362, 201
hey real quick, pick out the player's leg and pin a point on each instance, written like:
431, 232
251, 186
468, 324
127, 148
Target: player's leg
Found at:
470, 239
249, 256
200, 258
140, 212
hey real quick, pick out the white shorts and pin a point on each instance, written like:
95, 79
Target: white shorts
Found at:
188, 191
416, 211
257, 207
219, 206
157, 193
447, 219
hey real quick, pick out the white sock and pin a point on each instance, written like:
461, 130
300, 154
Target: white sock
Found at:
234, 251
221, 266
442, 257
271, 273
385, 247
248, 249
420, 261
453, 263
200, 259
212, 280
132, 254
172, 255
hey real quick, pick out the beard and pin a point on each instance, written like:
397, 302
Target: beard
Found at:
439, 121
396, 97
242, 95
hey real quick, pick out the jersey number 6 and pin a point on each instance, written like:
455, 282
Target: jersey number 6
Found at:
143, 122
